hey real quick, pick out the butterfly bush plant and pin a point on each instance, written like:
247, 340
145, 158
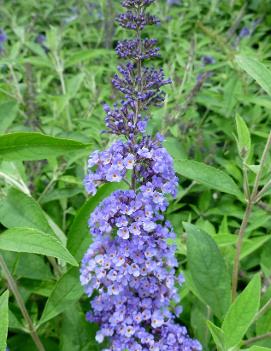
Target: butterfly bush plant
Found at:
129, 269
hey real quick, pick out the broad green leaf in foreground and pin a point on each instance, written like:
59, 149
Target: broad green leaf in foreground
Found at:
3, 320
34, 241
209, 176
256, 70
208, 270
79, 237
36, 146
259, 348
241, 313
66, 292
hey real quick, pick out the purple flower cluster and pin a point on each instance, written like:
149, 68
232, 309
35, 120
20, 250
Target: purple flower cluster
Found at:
150, 162
132, 49
143, 87
136, 20
121, 120
130, 269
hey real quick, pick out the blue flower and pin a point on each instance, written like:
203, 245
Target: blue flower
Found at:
129, 269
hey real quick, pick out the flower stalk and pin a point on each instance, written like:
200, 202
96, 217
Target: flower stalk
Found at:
14, 289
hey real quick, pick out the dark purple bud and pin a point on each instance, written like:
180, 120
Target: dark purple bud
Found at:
134, 21
137, 3
245, 32
207, 60
40, 39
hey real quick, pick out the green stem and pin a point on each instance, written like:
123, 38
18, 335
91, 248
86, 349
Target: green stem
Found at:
262, 163
14, 288
139, 87
16, 85
239, 247
250, 202
60, 72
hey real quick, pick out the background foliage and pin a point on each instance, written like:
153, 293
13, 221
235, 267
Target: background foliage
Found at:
55, 72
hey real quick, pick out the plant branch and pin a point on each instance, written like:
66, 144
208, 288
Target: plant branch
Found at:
257, 338
14, 289
262, 162
251, 200
264, 206
263, 191
239, 247
262, 311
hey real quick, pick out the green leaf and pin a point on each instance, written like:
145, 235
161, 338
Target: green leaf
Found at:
244, 142
74, 84
34, 241
208, 270
59, 194
65, 293
13, 321
85, 55
259, 348
256, 70
76, 333
3, 320
241, 313
209, 176
39, 287
40, 62
31, 266
253, 244
265, 259
218, 335
263, 322
8, 111
79, 237
20, 210
36, 146
198, 315
175, 148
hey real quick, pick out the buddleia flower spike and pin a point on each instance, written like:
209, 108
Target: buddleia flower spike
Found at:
129, 270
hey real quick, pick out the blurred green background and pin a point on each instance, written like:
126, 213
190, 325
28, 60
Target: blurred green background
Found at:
56, 64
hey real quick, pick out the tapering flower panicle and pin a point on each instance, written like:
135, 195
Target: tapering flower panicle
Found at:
130, 269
